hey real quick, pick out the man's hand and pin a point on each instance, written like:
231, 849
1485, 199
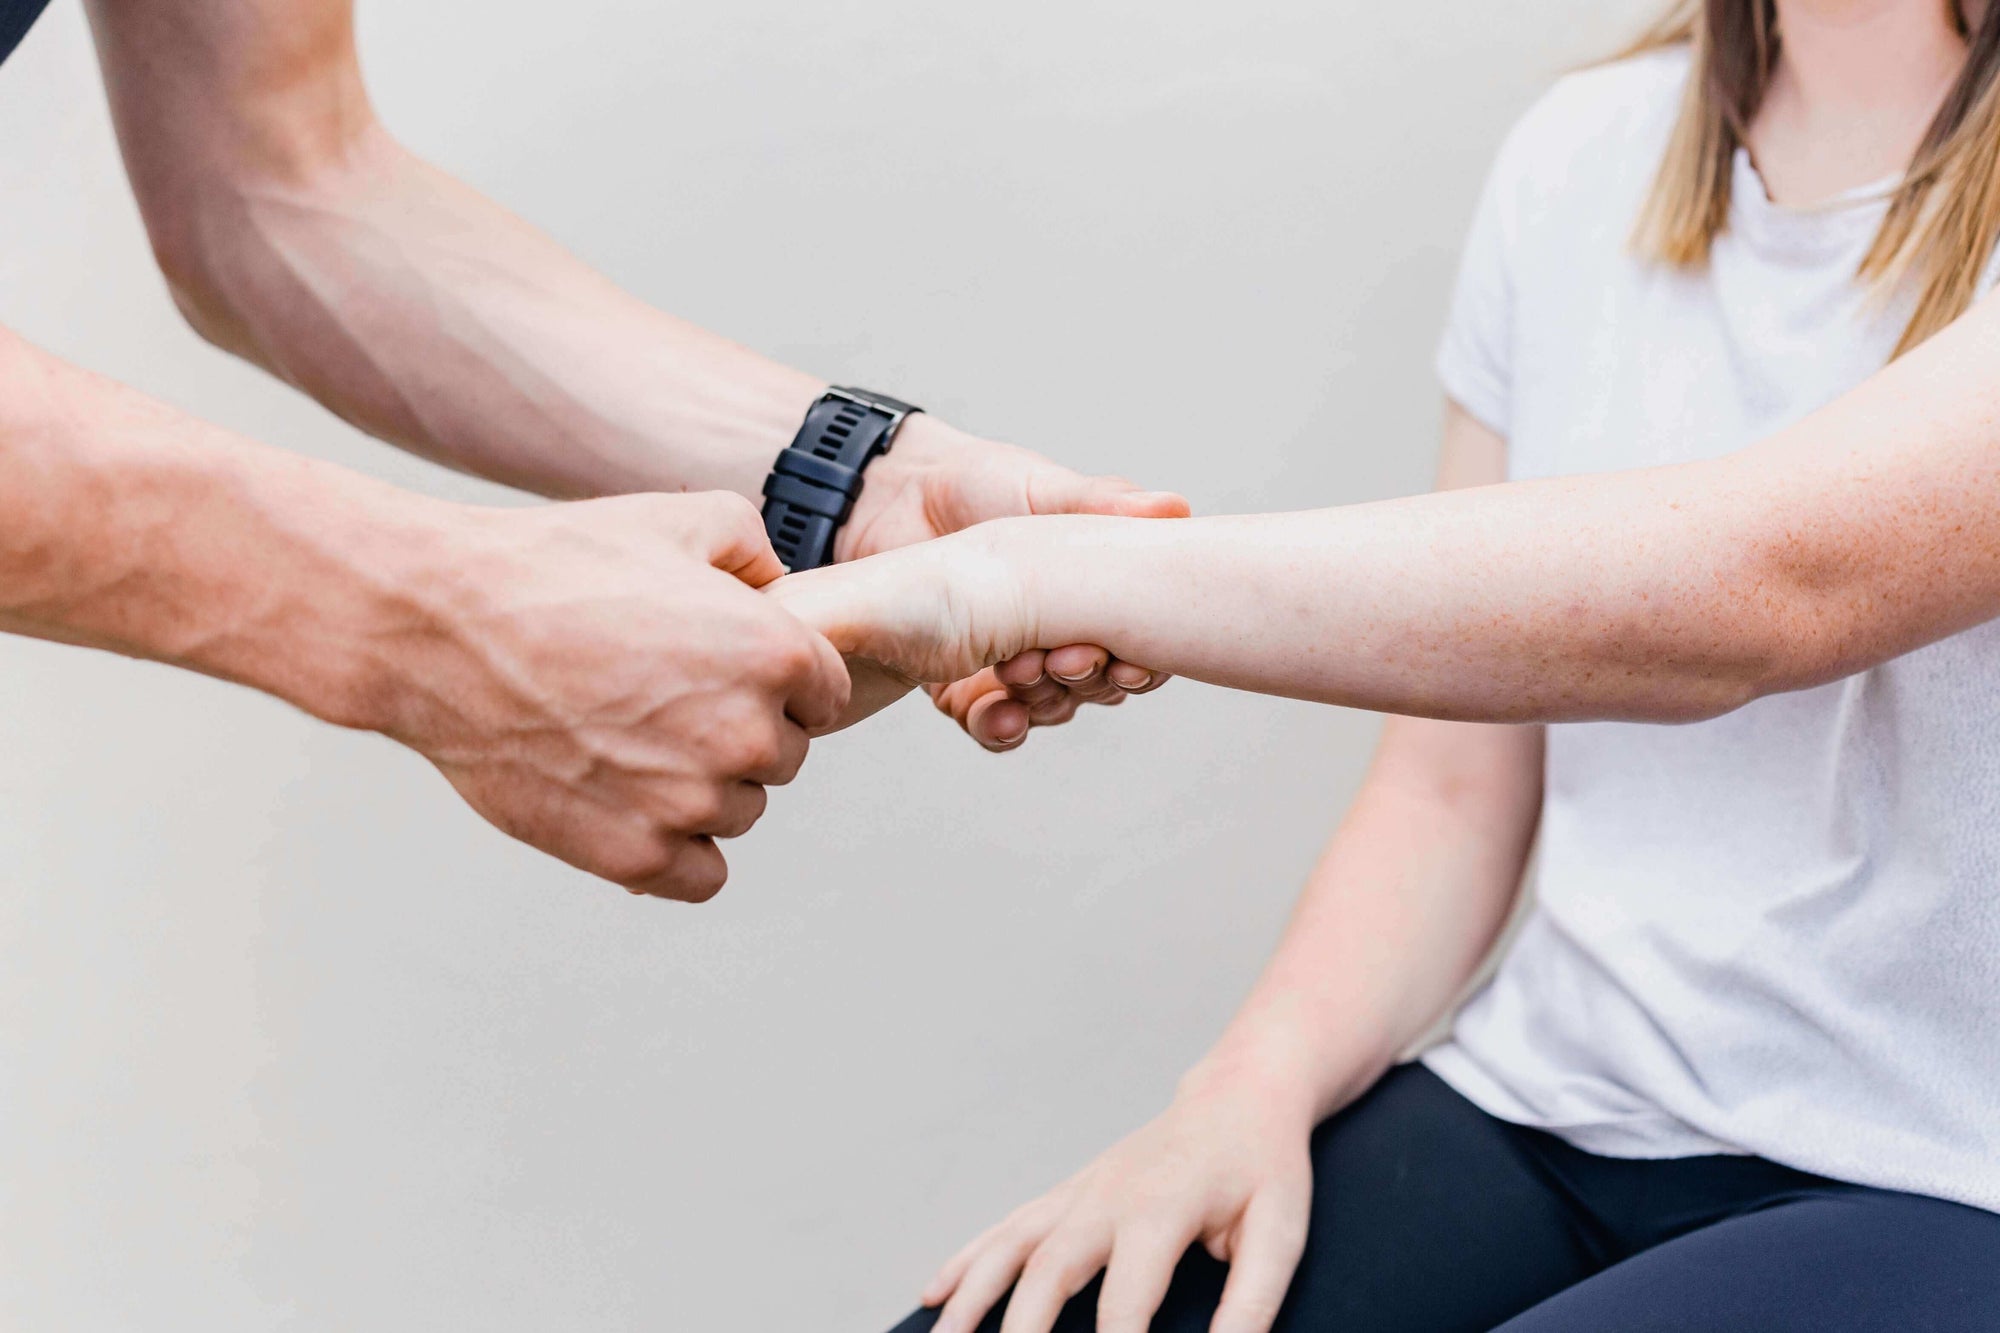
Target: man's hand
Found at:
937, 481
294, 229
601, 680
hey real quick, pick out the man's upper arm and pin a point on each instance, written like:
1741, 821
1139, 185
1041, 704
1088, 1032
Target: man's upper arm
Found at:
209, 93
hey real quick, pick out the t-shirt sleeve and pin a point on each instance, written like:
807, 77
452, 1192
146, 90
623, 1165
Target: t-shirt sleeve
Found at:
1475, 360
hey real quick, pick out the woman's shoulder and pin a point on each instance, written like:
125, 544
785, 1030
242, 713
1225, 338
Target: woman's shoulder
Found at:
1610, 117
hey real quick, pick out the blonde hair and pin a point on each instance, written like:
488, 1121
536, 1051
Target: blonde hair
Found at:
1943, 220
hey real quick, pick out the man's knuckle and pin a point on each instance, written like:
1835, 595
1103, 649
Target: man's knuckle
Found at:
695, 805
703, 883
633, 863
755, 749
789, 653
742, 814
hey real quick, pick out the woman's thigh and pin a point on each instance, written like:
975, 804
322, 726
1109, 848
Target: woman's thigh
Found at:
1425, 1216
1846, 1261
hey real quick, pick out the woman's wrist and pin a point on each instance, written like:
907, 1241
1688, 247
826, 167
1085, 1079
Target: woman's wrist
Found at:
1272, 1056
1295, 1063
1069, 576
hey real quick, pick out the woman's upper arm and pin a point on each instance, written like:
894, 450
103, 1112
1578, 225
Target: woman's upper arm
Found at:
1875, 520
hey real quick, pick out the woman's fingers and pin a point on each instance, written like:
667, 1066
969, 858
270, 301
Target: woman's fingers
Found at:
985, 710
947, 1279
1079, 666
1060, 1267
1055, 713
1024, 671
1134, 679
985, 1280
998, 722
999, 706
1269, 1240
1143, 1259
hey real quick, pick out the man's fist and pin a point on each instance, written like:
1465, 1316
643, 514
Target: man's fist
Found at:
601, 680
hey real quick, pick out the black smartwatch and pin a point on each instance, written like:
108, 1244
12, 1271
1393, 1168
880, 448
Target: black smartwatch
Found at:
811, 489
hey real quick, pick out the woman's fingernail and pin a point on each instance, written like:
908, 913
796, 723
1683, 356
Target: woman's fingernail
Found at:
1070, 680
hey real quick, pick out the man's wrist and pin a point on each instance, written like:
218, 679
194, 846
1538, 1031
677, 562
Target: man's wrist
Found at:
896, 486
351, 644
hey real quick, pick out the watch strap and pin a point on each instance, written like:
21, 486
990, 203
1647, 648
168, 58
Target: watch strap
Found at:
813, 485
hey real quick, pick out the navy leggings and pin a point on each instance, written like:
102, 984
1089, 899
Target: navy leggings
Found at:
1430, 1216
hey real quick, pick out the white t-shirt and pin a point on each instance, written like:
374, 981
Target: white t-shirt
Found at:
1778, 931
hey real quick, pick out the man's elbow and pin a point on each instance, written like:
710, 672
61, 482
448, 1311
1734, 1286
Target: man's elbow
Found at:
204, 240
219, 232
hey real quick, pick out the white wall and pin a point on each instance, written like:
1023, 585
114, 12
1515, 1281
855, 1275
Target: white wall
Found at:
291, 1039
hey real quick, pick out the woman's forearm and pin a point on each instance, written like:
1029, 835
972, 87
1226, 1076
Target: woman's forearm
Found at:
1665, 594
1406, 900
1612, 596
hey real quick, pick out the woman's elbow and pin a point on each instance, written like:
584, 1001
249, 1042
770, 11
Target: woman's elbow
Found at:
1720, 662
1795, 641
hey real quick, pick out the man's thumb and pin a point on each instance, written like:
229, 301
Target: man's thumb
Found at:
728, 531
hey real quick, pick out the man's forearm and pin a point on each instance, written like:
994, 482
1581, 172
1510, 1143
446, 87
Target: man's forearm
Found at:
563, 666
128, 526
432, 318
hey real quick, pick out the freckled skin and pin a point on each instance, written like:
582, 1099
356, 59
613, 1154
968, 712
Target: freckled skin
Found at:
1668, 594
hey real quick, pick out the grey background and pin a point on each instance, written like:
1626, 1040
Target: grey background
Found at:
293, 1040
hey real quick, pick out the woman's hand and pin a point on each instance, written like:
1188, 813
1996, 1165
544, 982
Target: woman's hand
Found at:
1227, 1165
938, 480
955, 615
998, 706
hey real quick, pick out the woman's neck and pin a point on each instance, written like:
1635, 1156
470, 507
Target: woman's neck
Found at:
1856, 86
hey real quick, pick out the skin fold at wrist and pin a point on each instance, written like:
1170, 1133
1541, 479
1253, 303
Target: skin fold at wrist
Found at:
925, 450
